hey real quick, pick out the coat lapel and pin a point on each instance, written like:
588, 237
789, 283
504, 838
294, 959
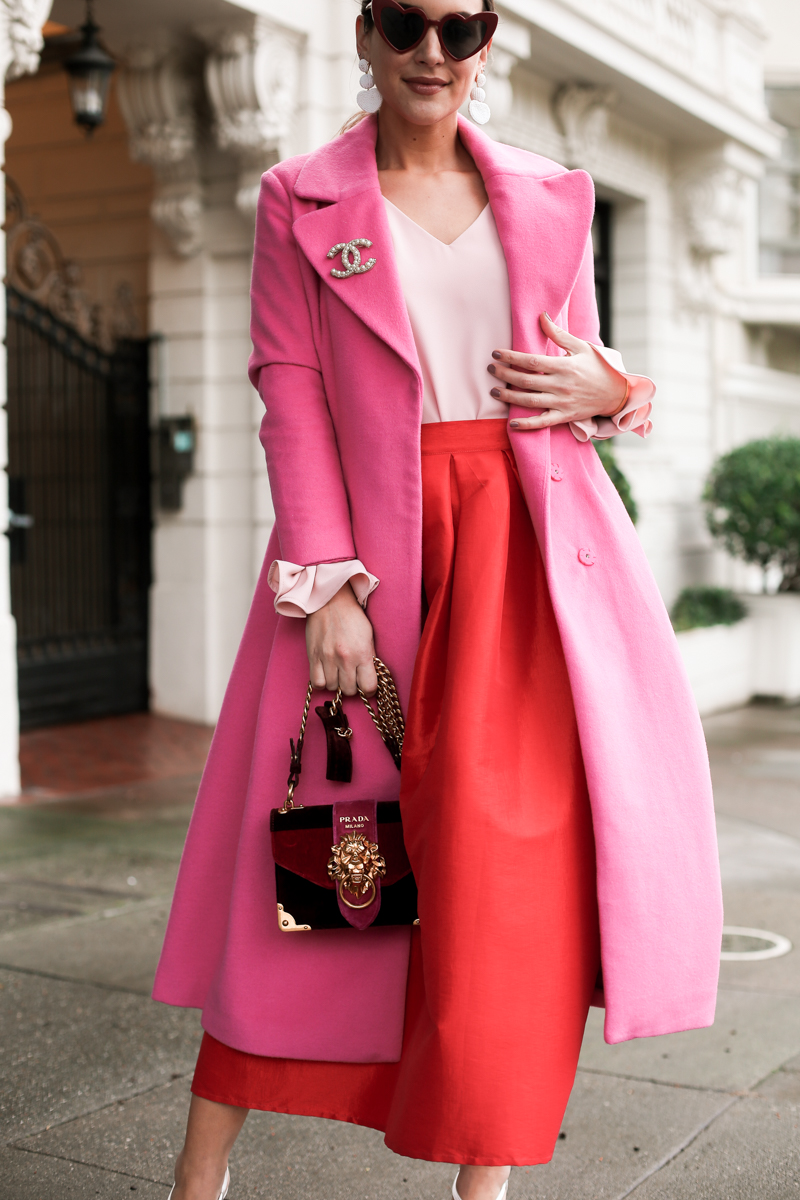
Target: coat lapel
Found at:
544, 217
344, 173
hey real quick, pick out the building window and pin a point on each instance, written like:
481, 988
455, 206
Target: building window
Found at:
779, 208
601, 241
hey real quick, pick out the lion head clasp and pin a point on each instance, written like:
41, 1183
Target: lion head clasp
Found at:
351, 258
356, 864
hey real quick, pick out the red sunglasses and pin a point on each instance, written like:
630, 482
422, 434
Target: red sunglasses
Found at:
404, 28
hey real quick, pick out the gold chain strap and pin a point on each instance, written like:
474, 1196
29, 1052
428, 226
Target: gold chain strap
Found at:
388, 721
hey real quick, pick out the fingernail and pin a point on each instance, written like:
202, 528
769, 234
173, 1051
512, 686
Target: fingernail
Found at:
491, 369
547, 314
495, 392
496, 354
514, 424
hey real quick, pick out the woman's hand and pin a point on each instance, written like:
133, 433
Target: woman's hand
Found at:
561, 388
340, 646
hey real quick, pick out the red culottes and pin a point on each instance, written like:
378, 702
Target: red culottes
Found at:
498, 828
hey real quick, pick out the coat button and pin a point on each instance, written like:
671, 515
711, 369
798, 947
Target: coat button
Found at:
556, 473
587, 557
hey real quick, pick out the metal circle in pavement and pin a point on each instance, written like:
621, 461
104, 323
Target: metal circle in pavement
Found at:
752, 945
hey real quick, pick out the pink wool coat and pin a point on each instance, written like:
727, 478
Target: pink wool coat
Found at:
335, 363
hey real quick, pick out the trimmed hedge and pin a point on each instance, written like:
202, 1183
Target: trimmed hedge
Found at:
753, 501
699, 607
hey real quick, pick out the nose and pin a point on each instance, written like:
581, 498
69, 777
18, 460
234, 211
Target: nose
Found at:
429, 51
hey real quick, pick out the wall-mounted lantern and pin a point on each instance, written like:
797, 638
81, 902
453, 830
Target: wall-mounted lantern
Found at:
89, 70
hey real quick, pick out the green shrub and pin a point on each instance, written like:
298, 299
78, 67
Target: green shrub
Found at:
753, 499
618, 479
697, 607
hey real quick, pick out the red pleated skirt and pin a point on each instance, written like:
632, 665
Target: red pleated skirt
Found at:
498, 828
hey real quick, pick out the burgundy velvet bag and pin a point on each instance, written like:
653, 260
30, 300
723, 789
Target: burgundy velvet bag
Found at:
343, 865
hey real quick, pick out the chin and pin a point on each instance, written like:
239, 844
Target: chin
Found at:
422, 111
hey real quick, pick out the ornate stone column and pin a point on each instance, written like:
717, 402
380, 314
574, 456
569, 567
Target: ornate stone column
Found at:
20, 45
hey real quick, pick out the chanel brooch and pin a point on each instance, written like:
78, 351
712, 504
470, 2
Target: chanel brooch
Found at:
351, 258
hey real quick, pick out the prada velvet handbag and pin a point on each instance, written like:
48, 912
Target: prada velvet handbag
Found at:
343, 865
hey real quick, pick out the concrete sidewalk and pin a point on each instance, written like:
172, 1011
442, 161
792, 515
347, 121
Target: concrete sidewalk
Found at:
95, 1077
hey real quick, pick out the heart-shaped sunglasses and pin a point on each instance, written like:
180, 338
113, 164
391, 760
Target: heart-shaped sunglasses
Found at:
404, 28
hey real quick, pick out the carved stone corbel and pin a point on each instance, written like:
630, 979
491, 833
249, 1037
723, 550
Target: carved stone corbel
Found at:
252, 80
21, 38
709, 203
511, 44
156, 94
581, 114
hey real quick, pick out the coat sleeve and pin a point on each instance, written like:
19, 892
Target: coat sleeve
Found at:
312, 513
583, 321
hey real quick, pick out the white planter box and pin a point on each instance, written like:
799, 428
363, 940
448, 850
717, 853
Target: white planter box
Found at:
759, 656
719, 660
776, 645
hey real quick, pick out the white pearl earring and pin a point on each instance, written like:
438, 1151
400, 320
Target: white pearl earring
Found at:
478, 108
370, 98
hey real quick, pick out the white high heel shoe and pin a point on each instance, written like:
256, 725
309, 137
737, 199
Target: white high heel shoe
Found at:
501, 1195
226, 1183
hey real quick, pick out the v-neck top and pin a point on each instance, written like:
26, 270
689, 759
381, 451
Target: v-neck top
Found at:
459, 306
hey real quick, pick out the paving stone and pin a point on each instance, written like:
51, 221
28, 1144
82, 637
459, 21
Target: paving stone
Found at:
767, 1035
119, 950
275, 1154
763, 908
751, 854
613, 1131
605, 1120
752, 1152
69, 1048
52, 860
25, 1176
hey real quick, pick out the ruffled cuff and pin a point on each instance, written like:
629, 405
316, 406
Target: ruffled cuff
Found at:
302, 590
633, 418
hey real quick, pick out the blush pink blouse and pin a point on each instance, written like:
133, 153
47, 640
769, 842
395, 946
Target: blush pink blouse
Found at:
459, 306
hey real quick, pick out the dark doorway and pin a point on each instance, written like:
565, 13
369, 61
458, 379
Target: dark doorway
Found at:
601, 241
79, 472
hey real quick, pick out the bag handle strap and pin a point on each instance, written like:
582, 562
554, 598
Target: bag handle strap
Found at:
387, 717
388, 720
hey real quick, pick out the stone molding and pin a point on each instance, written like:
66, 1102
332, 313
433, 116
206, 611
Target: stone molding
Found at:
709, 201
157, 96
710, 208
252, 81
580, 111
22, 44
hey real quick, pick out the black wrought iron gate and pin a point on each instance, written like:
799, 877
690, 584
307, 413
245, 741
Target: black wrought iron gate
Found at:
79, 471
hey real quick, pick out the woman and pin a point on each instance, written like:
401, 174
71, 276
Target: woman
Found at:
426, 434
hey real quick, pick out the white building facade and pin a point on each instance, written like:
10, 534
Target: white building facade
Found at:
679, 109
